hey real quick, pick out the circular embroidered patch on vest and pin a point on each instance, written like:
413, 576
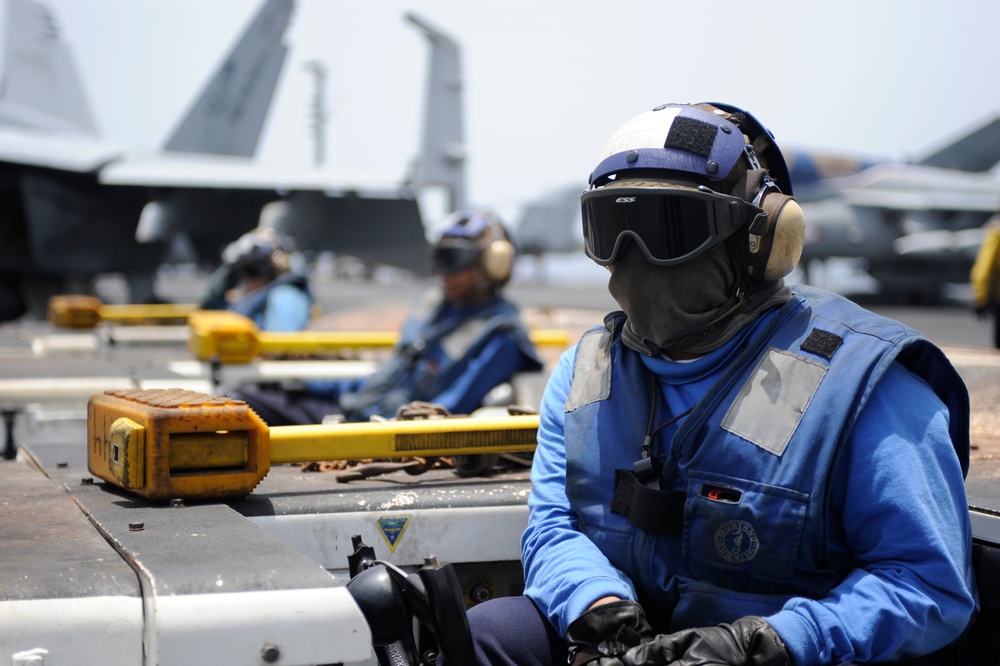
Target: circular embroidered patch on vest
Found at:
736, 541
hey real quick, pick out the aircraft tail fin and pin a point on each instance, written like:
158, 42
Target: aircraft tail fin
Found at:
40, 87
442, 155
228, 116
977, 151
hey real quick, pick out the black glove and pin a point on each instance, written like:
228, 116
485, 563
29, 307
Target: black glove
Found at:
601, 635
750, 641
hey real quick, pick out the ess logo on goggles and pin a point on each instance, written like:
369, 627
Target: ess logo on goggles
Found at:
670, 225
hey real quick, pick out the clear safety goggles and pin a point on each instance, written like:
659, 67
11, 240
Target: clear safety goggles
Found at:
670, 224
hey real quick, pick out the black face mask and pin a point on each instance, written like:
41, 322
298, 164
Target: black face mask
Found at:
695, 307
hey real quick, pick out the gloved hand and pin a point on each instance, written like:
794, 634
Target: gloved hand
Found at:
601, 635
749, 641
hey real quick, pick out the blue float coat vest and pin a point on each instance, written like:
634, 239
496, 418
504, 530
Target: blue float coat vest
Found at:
255, 304
433, 351
753, 458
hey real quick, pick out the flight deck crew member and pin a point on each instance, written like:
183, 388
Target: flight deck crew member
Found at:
732, 471
458, 342
257, 281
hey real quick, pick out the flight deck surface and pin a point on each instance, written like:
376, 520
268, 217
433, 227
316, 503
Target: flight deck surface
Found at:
77, 548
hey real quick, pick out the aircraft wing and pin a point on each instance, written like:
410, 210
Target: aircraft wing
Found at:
911, 187
218, 171
65, 151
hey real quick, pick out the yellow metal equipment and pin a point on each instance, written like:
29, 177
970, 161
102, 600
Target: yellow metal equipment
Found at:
229, 338
170, 443
79, 311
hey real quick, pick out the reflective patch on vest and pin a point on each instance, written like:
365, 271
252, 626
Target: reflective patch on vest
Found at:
737, 542
591, 371
457, 343
771, 404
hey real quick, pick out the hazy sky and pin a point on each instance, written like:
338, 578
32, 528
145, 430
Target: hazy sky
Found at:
547, 81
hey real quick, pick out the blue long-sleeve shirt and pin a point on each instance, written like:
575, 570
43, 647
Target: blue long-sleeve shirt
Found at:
897, 509
288, 308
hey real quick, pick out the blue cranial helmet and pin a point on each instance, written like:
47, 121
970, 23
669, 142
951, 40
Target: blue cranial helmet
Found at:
700, 143
475, 238
681, 179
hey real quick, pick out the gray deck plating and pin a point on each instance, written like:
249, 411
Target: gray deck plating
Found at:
49, 549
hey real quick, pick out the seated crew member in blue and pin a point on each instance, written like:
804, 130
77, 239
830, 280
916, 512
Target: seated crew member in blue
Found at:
256, 281
732, 471
457, 343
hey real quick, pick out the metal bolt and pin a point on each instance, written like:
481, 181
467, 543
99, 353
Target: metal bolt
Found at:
430, 561
136, 527
177, 502
726, 128
479, 593
712, 167
632, 156
270, 653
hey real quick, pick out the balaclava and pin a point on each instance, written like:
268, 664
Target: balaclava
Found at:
695, 307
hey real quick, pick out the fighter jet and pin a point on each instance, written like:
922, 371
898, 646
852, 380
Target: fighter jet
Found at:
915, 226
72, 206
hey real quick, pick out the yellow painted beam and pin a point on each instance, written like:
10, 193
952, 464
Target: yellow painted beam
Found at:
170, 443
232, 338
80, 311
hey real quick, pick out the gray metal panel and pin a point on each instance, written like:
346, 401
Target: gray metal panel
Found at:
986, 527
197, 549
186, 549
48, 547
288, 491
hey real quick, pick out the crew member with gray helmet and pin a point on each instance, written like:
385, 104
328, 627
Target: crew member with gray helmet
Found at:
730, 470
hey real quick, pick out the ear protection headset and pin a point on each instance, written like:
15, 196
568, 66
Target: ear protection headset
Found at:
498, 252
774, 238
